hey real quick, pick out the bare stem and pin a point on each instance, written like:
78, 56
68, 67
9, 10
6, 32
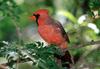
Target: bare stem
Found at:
85, 44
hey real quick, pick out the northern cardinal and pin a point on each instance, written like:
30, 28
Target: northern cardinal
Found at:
53, 33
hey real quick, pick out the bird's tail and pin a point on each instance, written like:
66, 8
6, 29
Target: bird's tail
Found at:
67, 60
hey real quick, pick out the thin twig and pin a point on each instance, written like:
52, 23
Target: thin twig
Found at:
85, 44
83, 56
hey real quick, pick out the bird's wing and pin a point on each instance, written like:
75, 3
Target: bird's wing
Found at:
62, 30
58, 25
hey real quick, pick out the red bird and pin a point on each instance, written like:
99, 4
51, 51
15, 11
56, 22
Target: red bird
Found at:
53, 33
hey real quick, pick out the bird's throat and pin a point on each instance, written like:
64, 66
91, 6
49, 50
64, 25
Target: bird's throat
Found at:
41, 21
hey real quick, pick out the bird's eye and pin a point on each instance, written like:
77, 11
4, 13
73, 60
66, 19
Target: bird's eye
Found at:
37, 15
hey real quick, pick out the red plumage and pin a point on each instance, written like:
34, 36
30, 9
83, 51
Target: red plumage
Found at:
53, 33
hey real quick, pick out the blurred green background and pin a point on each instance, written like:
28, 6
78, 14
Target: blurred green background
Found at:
80, 18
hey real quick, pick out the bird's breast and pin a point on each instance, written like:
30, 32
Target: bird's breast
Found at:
50, 34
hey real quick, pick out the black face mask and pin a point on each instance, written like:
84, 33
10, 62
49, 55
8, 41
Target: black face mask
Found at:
37, 17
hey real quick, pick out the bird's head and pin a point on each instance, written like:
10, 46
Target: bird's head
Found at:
41, 13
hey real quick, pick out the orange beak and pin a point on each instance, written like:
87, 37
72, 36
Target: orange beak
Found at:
32, 18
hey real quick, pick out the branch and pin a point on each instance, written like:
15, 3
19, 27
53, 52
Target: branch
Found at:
3, 66
83, 56
85, 44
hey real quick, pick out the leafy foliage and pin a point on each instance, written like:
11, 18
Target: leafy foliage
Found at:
41, 56
94, 4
